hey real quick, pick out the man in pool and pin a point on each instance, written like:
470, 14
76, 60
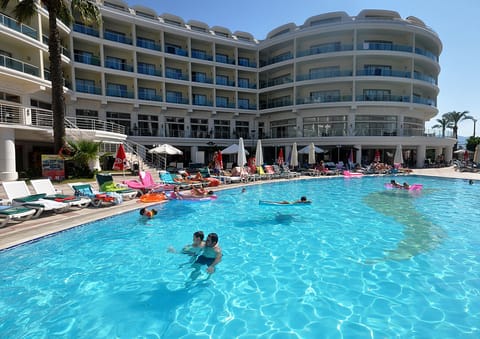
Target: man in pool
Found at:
211, 256
148, 213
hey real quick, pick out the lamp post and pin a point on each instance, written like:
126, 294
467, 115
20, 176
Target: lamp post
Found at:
474, 127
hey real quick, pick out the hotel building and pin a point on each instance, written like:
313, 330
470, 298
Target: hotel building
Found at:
362, 83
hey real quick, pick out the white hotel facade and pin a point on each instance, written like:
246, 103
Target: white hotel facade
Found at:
367, 83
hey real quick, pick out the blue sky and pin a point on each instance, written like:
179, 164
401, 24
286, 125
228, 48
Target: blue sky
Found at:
456, 22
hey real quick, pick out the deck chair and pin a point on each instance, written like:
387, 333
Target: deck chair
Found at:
97, 198
46, 186
106, 184
19, 194
166, 178
16, 213
146, 183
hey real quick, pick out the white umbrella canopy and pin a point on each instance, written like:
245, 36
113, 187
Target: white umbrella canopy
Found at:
294, 155
233, 149
476, 155
241, 155
460, 151
398, 158
259, 153
311, 154
306, 149
165, 149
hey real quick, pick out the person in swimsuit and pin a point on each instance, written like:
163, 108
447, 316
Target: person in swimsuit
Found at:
148, 213
211, 256
197, 245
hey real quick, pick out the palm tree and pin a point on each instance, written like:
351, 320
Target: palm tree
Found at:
455, 117
86, 11
443, 123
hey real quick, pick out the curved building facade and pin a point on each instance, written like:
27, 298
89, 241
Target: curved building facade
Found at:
362, 83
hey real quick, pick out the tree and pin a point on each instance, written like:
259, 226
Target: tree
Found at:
455, 117
472, 142
86, 11
83, 153
443, 123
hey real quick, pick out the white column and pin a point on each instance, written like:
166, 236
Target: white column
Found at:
438, 152
358, 155
193, 153
7, 155
448, 154
421, 150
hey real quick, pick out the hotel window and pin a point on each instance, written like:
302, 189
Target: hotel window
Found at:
171, 48
174, 97
324, 72
85, 86
83, 56
199, 99
376, 94
173, 73
145, 93
222, 80
384, 70
242, 129
145, 68
122, 119
378, 45
244, 82
117, 90
174, 127
219, 57
413, 127
221, 129
115, 63
375, 125
325, 126
326, 48
147, 125
283, 128
242, 61
199, 128
199, 76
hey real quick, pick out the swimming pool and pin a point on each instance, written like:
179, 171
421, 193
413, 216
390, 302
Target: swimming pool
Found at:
360, 261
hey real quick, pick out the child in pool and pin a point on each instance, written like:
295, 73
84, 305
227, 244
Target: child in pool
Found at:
148, 213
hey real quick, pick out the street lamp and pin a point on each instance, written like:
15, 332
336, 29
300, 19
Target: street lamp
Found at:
474, 126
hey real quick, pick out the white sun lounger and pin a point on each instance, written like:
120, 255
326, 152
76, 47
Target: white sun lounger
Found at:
16, 213
46, 186
18, 193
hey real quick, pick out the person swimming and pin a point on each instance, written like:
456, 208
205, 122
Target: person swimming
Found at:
148, 213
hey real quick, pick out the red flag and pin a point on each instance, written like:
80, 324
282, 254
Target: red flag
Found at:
121, 162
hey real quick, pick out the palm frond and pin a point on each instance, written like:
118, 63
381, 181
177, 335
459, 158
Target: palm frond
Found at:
25, 10
87, 10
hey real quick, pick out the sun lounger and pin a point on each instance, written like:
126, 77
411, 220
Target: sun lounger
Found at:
19, 194
46, 186
106, 184
97, 198
146, 183
166, 178
17, 213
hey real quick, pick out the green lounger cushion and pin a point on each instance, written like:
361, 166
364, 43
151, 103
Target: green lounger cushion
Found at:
12, 210
30, 198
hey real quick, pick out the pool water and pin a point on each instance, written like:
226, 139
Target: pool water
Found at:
359, 262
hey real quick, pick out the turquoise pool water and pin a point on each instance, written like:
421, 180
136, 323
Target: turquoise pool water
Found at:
359, 262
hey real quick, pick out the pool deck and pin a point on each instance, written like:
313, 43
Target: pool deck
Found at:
17, 233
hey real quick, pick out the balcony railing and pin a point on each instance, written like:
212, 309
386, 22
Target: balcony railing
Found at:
383, 46
175, 50
95, 124
149, 70
17, 26
276, 59
202, 102
18, 65
247, 63
117, 37
249, 106
119, 93
387, 97
384, 73
275, 103
86, 30
89, 89
224, 82
423, 101
175, 75
201, 55
323, 75
424, 77
149, 96
324, 49
87, 59
220, 103
275, 82
177, 100
148, 44
224, 59
324, 99
426, 53
118, 65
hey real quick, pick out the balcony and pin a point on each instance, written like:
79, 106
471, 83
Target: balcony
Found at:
175, 75
424, 77
119, 93
196, 77
423, 101
276, 59
171, 49
17, 26
329, 48
275, 82
392, 98
201, 55
143, 69
87, 59
274, 103
65, 51
121, 66
149, 96
18, 65
323, 75
249, 106
426, 53
221, 81
247, 63
324, 99
224, 59
202, 102
384, 46
177, 100
86, 30
383, 73
375, 132
89, 89
148, 44
223, 104
117, 37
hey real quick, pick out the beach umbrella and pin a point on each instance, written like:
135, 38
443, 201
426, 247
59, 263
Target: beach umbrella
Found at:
259, 153
165, 150
476, 155
398, 158
377, 156
294, 155
306, 149
311, 154
121, 163
233, 149
280, 159
241, 154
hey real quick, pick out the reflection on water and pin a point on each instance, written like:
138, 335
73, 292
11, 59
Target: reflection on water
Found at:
421, 235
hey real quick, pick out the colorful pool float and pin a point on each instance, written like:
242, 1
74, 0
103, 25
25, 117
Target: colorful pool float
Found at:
153, 197
413, 187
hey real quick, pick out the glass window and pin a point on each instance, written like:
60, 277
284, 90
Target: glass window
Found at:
221, 129
325, 96
199, 128
243, 103
283, 128
375, 125
174, 127
120, 118
221, 101
244, 82
325, 126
